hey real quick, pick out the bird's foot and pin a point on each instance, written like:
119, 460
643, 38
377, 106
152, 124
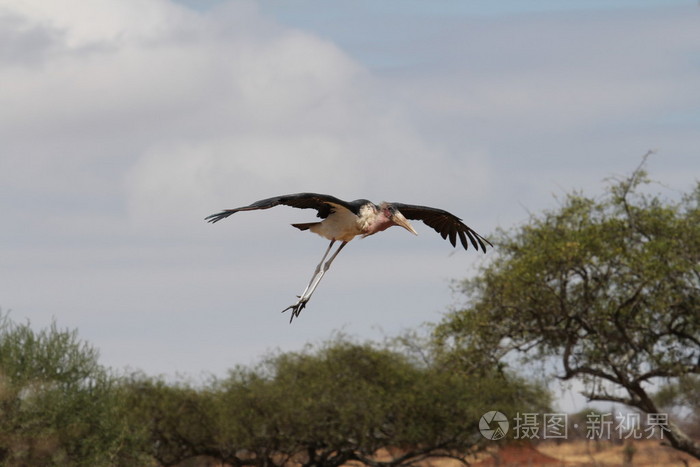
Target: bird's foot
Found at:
296, 308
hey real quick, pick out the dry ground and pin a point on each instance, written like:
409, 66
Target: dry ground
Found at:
588, 453
647, 453
604, 453
585, 453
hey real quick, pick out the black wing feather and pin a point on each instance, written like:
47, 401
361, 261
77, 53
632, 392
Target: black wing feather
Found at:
444, 223
324, 204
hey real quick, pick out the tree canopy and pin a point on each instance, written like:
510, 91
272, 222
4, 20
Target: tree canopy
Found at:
58, 406
607, 287
341, 402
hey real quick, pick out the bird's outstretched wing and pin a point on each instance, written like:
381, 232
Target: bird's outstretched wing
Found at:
324, 204
444, 223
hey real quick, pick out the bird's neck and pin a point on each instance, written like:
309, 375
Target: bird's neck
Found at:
373, 220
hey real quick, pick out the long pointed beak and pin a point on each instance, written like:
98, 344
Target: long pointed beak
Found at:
399, 219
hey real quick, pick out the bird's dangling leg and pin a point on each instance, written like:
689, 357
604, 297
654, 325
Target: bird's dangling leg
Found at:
300, 304
318, 269
315, 279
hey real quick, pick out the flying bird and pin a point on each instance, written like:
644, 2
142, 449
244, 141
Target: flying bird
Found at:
345, 220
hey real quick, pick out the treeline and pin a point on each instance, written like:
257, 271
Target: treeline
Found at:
324, 406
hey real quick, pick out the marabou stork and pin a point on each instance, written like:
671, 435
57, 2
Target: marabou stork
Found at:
343, 221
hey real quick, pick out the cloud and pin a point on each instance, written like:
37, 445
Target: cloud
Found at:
187, 108
291, 112
99, 22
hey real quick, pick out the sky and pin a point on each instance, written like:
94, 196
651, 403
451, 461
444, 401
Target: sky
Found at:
123, 123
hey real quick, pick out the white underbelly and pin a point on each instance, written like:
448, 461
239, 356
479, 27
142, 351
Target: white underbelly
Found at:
341, 225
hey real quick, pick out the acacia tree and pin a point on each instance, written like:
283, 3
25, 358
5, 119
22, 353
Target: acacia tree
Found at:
347, 401
328, 406
177, 420
609, 288
58, 406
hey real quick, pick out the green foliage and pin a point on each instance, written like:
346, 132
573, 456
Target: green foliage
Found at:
610, 287
326, 406
48, 356
57, 405
178, 420
344, 401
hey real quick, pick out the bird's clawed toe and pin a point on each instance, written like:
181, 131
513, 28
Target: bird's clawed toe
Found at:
296, 308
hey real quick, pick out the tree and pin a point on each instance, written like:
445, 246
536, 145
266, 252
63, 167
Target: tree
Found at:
325, 407
609, 288
178, 420
58, 405
347, 401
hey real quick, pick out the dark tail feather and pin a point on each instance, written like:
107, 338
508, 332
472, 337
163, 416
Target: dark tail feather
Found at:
306, 226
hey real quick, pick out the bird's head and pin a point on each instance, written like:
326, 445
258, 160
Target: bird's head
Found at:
394, 216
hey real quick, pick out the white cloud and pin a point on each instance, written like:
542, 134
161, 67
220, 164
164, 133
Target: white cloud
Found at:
193, 108
99, 22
